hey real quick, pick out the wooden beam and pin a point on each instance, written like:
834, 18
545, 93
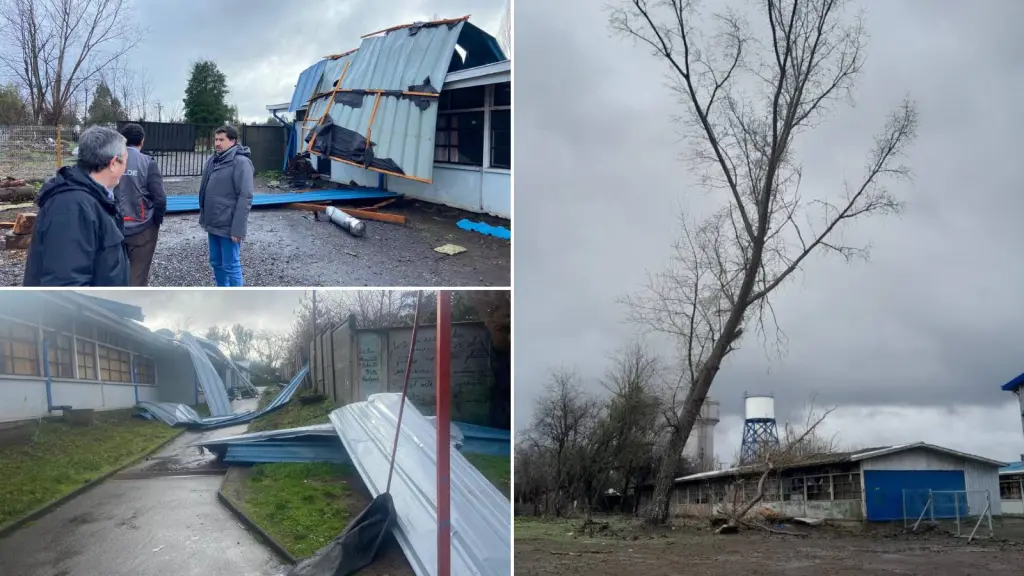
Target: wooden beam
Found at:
378, 216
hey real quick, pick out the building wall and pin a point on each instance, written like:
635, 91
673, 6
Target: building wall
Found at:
833, 510
977, 475
480, 190
1012, 494
176, 379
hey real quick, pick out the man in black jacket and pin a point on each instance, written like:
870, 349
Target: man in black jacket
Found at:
140, 197
78, 238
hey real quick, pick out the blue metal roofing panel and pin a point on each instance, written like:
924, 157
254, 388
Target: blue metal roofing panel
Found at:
332, 73
313, 449
480, 514
191, 203
308, 80
1014, 384
181, 415
403, 58
1012, 468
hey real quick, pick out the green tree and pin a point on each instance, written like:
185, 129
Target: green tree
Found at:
12, 106
205, 95
105, 107
242, 343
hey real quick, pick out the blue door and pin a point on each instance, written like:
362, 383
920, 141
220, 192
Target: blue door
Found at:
883, 492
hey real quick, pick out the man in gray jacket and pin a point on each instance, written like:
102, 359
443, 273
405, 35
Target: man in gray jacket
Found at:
143, 203
225, 198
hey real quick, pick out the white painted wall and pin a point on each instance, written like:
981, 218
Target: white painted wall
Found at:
23, 398
1013, 507
475, 189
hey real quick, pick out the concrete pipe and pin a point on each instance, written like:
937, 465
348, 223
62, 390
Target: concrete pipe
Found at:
347, 223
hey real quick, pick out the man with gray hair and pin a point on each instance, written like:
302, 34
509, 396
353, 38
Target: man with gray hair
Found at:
78, 238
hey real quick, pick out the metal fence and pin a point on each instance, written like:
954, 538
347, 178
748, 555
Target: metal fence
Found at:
967, 512
33, 152
181, 150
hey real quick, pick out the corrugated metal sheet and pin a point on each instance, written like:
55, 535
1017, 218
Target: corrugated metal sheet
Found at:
181, 415
308, 80
486, 440
1014, 468
209, 380
982, 483
480, 514
332, 73
191, 203
397, 61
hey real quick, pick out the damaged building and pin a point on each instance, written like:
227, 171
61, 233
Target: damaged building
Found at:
423, 110
876, 484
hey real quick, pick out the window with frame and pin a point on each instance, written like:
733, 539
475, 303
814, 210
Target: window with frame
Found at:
115, 365
502, 95
145, 370
501, 139
1011, 489
459, 137
19, 349
846, 486
819, 488
86, 359
58, 354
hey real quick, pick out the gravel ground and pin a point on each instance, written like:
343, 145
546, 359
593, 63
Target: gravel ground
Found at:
288, 247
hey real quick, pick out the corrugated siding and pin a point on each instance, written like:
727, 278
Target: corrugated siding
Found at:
980, 476
308, 80
913, 460
400, 59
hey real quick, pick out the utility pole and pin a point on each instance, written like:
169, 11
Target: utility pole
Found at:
159, 111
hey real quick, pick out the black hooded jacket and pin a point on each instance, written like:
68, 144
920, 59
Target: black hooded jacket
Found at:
78, 238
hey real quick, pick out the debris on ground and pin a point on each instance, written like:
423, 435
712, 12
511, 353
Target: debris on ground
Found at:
16, 191
347, 223
450, 249
20, 235
300, 171
485, 229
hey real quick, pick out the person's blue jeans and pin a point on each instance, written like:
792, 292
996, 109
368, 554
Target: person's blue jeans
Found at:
226, 261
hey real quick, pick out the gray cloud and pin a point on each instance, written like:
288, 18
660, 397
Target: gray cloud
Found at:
270, 309
932, 322
263, 45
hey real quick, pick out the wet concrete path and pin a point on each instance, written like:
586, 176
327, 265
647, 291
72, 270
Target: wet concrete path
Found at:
159, 518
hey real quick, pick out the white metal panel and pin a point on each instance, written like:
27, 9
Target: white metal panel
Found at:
455, 186
496, 194
913, 460
760, 407
980, 476
481, 528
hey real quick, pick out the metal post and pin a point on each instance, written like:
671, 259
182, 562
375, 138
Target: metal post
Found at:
931, 502
956, 506
46, 374
135, 378
988, 499
442, 401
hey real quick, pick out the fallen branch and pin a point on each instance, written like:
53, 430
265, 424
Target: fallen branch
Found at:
774, 531
557, 553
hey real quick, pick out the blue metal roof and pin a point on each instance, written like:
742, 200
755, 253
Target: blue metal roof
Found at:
1012, 468
1014, 384
304, 88
183, 203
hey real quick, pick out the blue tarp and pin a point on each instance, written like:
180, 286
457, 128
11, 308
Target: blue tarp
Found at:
182, 415
177, 204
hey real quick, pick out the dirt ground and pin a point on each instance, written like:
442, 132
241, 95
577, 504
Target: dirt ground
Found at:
544, 548
288, 247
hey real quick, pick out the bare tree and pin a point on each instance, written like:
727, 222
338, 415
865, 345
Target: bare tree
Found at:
173, 113
747, 98
269, 347
55, 47
797, 446
183, 324
505, 30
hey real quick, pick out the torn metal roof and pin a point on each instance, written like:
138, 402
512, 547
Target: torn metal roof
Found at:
481, 528
304, 88
182, 415
381, 114
209, 380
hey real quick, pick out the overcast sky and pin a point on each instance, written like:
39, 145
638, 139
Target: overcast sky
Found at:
263, 45
271, 309
911, 346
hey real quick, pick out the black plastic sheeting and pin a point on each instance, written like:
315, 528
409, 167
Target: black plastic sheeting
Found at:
340, 142
356, 547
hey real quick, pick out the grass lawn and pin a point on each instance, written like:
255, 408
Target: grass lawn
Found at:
303, 506
63, 457
293, 415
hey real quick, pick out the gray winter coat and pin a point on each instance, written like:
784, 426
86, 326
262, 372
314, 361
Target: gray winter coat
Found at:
140, 194
225, 195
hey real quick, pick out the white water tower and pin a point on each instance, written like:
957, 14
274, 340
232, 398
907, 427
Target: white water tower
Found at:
700, 447
760, 431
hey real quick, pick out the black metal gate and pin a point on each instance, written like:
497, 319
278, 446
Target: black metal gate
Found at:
266, 146
182, 150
